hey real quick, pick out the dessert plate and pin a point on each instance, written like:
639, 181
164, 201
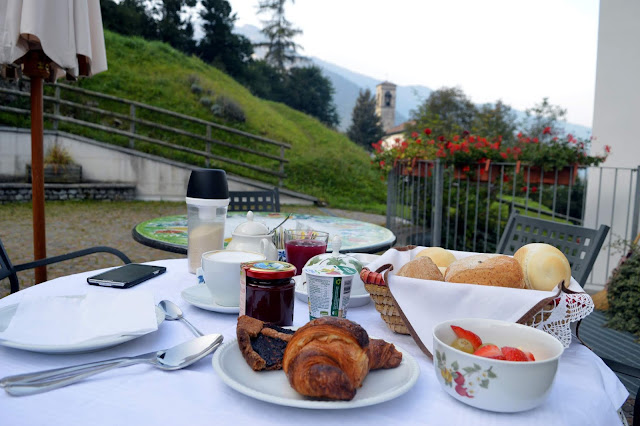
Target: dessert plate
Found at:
8, 312
356, 299
273, 386
199, 295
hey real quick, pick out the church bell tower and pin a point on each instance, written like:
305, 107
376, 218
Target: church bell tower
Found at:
386, 104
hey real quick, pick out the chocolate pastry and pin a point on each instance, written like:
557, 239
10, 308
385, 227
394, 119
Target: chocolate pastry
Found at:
262, 345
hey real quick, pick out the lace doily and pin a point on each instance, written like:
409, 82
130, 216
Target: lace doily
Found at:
556, 318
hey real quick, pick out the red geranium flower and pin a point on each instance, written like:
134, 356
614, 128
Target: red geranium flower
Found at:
546, 131
427, 131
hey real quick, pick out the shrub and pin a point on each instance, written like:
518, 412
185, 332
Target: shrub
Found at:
623, 294
195, 88
228, 109
206, 101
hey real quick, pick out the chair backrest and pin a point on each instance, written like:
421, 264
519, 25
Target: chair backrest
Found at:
580, 245
7, 269
257, 201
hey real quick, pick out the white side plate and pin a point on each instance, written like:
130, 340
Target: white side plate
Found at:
8, 312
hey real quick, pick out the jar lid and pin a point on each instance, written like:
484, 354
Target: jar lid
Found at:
250, 227
270, 270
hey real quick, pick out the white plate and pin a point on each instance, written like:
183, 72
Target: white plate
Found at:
199, 295
273, 386
8, 312
355, 300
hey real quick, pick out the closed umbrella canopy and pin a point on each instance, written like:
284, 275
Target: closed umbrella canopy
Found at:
69, 32
49, 39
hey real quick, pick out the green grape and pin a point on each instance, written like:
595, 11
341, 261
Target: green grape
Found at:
463, 345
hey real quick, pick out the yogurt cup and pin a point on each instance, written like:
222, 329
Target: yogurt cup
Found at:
329, 290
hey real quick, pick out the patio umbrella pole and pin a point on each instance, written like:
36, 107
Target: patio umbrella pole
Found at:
37, 67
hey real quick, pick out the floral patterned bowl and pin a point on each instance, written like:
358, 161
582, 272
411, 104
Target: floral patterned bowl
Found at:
493, 384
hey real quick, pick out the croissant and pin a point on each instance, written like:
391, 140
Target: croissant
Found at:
330, 357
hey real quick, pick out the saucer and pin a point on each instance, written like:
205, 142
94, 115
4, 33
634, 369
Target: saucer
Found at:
355, 300
198, 295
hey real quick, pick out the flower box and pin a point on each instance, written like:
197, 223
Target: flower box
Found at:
477, 173
566, 176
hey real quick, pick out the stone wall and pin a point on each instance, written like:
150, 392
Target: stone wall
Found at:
21, 192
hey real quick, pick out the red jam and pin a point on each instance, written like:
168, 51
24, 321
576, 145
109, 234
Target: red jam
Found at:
268, 291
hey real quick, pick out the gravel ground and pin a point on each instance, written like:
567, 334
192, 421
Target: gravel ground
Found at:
73, 225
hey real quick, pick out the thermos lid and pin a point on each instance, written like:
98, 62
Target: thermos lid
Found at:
208, 184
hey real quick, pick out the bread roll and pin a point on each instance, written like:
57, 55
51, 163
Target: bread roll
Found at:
543, 265
486, 269
440, 256
421, 267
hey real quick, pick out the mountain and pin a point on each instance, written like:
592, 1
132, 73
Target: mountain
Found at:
347, 85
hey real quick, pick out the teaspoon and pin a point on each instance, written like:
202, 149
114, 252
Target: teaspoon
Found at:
173, 312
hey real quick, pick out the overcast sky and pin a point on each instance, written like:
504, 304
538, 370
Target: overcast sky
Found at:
515, 50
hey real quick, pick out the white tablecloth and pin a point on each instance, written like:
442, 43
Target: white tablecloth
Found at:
585, 392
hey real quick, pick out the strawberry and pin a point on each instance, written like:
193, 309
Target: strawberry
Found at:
530, 356
513, 354
468, 335
489, 351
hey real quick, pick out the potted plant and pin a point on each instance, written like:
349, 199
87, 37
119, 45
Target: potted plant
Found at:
59, 166
552, 159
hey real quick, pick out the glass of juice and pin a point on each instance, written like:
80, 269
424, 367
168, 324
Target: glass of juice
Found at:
300, 246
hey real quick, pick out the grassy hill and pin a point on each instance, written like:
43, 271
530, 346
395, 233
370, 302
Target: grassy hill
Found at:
322, 162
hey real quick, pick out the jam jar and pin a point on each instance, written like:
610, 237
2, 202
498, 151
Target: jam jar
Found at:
267, 291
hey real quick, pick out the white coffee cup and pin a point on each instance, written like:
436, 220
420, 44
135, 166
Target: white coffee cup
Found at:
222, 273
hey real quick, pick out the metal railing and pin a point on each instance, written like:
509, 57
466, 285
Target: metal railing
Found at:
467, 209
145, 127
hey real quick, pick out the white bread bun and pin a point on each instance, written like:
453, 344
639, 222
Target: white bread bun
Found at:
421, 267
443, 270
440, 256
486, 269
543, 265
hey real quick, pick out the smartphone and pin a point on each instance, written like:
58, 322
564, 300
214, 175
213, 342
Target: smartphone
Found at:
126, 276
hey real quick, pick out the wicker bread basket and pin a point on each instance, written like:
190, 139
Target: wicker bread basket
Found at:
374, 283
381, 296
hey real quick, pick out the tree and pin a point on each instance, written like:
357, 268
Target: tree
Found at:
446, 112
541, 116
129, 17
172, 28
281, 49
219, 45
493, 120
307, 90
365, 127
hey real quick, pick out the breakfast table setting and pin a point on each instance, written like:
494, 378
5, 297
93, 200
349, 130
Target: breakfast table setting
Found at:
219, 388
242, 332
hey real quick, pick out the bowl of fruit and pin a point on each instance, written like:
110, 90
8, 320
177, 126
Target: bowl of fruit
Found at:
495, 365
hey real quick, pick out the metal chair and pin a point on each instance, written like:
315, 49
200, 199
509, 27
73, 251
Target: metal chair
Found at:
9, 270
257, 201
580, 245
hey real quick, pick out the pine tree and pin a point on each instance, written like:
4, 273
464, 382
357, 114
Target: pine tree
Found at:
281, 49
365, 127
219, 45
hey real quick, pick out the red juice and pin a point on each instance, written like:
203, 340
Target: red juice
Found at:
300, 251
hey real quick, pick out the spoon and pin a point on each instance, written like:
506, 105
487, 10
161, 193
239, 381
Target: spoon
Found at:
280, 224
175, 358
173, 312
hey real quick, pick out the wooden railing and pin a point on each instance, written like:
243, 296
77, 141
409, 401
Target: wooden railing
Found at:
144, 127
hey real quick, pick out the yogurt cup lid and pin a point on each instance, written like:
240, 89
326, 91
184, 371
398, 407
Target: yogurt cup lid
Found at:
330, 270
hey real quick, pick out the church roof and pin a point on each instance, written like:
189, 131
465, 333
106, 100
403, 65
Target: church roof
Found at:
386, 83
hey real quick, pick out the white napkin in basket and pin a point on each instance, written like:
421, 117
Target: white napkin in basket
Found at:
68, 320
426, 303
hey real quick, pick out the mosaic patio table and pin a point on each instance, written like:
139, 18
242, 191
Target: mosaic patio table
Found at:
169, 233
